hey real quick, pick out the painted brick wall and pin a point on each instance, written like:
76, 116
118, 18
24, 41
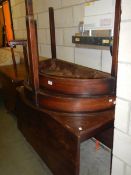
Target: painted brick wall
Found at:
68, 14
122, 136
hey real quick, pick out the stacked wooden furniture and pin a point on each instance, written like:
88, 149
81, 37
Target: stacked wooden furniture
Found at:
12, 76
63, 104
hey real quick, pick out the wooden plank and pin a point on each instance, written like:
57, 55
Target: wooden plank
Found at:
57, 146
116, 38
32, 47
52, 32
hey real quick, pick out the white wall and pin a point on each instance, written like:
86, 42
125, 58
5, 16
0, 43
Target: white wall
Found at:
68, 14
99, 14
122, 136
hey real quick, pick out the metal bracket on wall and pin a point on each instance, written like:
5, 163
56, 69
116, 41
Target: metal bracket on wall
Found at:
91, 40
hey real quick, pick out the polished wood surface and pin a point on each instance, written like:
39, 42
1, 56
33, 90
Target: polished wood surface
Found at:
52, 118
33, 47
69, 78
70, 87
67, 103
116, 38
57, 136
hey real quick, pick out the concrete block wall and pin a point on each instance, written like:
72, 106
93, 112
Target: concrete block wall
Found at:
99, 14
18, 14
122, 134
68, 14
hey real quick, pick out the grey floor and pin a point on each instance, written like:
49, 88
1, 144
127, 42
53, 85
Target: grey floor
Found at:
17, 157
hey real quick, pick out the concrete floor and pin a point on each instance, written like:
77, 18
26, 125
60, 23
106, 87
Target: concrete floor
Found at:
17, 157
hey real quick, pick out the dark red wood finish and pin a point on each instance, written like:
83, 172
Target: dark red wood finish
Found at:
57, 136
116, 38
52, 32
69, 104
32, 47
68, 78
66, 103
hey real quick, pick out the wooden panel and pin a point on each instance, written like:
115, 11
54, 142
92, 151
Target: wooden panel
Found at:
106, 137
68, 103
56, 136
56, 145
68, 78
